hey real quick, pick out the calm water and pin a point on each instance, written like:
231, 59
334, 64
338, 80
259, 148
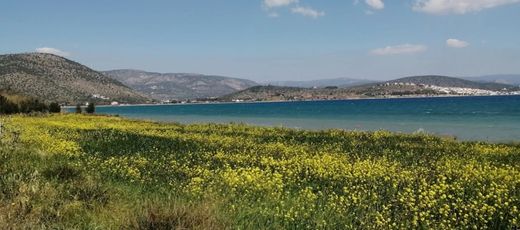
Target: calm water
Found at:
469, 118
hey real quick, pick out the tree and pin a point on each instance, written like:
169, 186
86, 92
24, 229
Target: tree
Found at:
54, 108
91, 108
32, 105
7, 107
78, 108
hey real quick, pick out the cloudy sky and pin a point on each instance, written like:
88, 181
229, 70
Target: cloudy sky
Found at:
267, 40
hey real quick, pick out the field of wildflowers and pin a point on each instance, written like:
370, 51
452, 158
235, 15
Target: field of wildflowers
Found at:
78, 171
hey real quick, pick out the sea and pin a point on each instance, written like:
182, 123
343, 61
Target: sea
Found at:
481, 118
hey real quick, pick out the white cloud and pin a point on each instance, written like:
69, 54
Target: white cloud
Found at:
54, 51
399, 49
307, 11
278, 3
376, 4
273, 15
456, 43
440, 7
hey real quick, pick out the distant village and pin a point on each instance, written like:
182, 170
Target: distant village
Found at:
456, 90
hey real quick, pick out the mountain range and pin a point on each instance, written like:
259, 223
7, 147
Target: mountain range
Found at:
510, 79
178, 86
408, 86
53, 78
339, 82
507, 79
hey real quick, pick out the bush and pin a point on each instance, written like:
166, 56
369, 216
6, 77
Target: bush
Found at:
54, 108
7, 107
32, 105
78, 108
91, 108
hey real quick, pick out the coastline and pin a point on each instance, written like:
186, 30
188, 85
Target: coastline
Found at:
466, 117
287, 101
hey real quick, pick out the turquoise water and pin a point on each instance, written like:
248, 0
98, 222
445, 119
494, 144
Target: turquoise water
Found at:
494, 118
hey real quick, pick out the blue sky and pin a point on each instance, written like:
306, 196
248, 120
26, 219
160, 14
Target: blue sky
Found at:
266, 40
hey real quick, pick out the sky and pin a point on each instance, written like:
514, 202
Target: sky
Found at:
272, 40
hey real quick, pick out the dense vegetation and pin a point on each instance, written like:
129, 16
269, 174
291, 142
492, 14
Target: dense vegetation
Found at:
51, 78
12, 104
77, 171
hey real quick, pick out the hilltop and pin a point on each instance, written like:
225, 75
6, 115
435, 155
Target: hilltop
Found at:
168, 86
53, 78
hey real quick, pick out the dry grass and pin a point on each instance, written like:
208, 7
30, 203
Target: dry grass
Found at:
174, 215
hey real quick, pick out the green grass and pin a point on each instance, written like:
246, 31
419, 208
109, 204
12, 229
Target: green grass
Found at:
96, 172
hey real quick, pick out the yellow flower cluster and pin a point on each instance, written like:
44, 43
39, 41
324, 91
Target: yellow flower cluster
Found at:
286, 178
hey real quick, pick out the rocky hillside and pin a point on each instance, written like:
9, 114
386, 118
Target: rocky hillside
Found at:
284, 93
178, 86
53, 78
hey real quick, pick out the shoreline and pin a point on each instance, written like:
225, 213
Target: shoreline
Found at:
259, 113
288, 101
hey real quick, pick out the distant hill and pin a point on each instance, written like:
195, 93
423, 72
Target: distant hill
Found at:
340, 82
167, 86
409, 86
285, 93
53, 78
444, 81
418, 85
510, 79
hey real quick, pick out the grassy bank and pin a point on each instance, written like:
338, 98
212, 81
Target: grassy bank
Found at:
76, 171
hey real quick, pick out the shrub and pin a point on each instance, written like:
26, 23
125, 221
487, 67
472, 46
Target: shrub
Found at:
91, 108
54, 108
78, 108
32, 105
7, 107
